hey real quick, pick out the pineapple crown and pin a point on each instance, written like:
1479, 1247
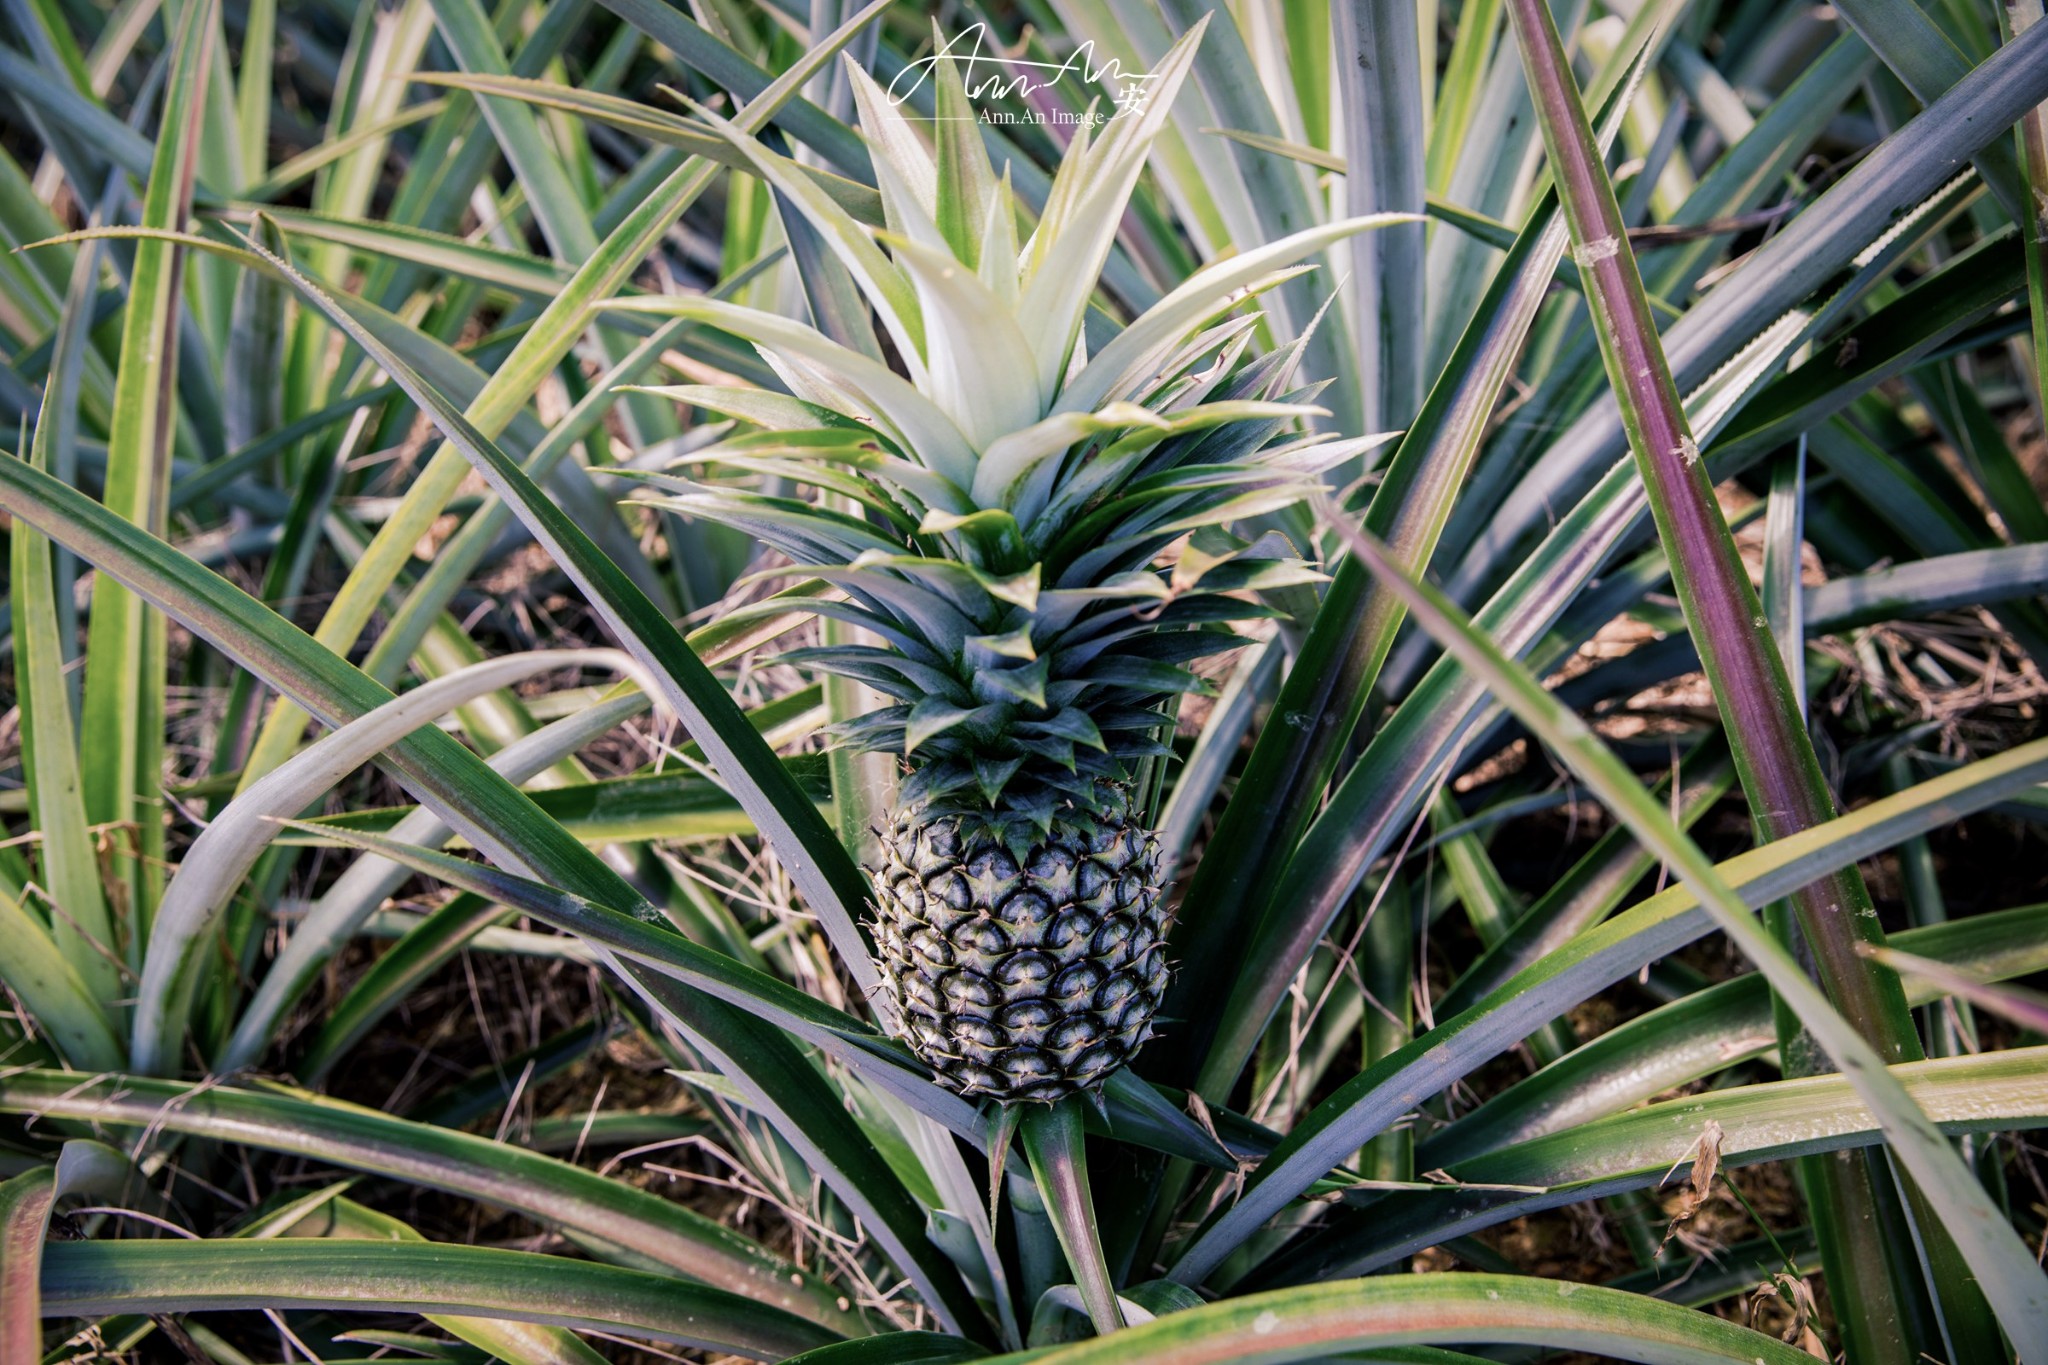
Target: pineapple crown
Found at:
1040, 538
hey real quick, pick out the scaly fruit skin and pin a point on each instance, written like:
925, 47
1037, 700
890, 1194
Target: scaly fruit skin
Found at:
1028, 978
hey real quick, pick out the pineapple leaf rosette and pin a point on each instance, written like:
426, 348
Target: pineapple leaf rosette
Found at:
1039, 540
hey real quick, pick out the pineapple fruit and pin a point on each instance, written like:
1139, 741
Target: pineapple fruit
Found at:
1038, 539
1023, 978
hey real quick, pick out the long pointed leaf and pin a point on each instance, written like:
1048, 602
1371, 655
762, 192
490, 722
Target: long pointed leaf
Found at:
99, 1279
124, 689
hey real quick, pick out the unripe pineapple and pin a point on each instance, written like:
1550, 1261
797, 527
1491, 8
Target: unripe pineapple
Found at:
1027, 977
1039, 540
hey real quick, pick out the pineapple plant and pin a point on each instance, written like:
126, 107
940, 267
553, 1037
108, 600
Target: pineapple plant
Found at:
1038, 468
1039, 540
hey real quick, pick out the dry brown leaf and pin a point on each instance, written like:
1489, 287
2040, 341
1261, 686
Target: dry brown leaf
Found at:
1797, 1295
1706, 1164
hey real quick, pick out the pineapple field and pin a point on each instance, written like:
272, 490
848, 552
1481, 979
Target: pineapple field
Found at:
1111, 681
